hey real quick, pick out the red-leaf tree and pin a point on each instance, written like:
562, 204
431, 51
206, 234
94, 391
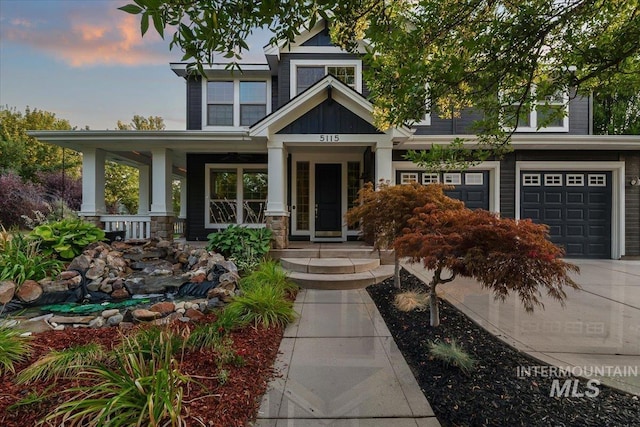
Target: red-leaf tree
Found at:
384, 213
504, 255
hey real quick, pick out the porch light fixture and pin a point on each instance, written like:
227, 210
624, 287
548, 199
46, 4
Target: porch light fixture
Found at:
635, 181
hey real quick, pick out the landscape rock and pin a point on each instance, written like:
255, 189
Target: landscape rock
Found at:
96, 270
163, 308
55, 286
120, 294
96, 323
70, 320
144, 315
7, 290
108, 313
69, 274
81, 262
29, 291
194, 314
115, 320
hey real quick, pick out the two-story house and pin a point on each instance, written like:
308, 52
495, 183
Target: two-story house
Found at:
287, 144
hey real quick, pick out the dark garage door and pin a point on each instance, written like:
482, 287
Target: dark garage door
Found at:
575, 205
471, 187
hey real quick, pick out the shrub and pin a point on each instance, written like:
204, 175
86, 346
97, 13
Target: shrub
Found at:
13, 349
141, 390
411, 300
452, 354
66, 238
20, 260
59, 187
17, 198
264, 305
61, 363
270, 273
246, 246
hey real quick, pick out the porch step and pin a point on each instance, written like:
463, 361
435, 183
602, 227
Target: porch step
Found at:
342, 281
385, 257
329, 265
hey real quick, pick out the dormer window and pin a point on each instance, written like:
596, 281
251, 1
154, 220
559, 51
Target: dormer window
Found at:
234, 103
304, 73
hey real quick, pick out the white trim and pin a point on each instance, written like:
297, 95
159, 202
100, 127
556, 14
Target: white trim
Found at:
597, 180
236, 102
553, 180
473, 178
295, 63
575, 180
452, 178
409, 177
240, 168
531, 180
617, 170
493, 167
428, 178
533, 116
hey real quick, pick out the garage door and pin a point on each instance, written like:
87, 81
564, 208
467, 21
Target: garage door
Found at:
575, 205
471, 187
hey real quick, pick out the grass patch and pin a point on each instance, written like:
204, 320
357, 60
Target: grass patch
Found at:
268, 273
411, 300
13, 349
265, 305
452, 354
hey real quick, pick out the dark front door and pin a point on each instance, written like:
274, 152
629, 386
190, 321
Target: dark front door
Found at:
328, 209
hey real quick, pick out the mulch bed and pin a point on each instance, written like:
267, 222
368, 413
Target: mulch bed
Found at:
232, 404
493, 394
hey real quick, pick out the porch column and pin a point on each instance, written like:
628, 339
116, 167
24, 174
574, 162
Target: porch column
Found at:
161, 206
143, 190
277, 216
183, 198
384, 170
93, 204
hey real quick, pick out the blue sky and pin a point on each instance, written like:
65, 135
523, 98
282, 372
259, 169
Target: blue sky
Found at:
85, 61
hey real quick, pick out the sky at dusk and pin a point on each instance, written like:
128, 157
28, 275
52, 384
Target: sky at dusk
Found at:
85, 61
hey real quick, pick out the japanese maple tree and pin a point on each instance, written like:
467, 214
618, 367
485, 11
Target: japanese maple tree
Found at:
504, 255
385, 212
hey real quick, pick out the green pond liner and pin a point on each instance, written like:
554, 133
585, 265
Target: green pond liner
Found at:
91, 308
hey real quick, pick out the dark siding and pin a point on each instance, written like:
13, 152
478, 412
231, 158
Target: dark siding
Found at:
196, 183
568, 156
508, 186
450, 126
274, 93
321, 39
579, 116
284, 70
632, 202
194, 103
330, 117
369, 165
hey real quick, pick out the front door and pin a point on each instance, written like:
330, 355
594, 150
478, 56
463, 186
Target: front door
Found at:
328, 209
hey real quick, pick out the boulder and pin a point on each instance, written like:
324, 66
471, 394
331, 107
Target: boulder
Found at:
29, 291
144, 315
120, 294
96, 323
7, 290
96, 270
71, 320
81, 262
114, 320
69, 274
55, 286
163, 308
194, 314
108, 313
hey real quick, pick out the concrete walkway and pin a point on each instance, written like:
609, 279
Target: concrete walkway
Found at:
340, 367
598, 330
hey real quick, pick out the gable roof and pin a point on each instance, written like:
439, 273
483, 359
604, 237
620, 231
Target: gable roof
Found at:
328, 87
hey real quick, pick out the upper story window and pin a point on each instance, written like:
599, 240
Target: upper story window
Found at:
304, 73
549, 115
233, 103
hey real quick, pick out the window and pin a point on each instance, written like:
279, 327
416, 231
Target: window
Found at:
408, 177
575, 180
475, 178
597, 180
302, 195
550, 114
236, 103
552, 180
236, 195
531, 179
353, 186
430, 178
304, 73
452, 178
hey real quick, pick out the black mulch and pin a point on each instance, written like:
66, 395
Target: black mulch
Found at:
493, 394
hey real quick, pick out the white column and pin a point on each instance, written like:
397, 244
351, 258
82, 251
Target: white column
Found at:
276, 203
92, 182
161, 177
143, 190
183, 198
384, 160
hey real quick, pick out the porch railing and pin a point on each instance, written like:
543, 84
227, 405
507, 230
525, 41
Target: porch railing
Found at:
135, 226
179, 226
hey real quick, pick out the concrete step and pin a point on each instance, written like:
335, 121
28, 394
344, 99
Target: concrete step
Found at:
329, 265
385, 256
342, 281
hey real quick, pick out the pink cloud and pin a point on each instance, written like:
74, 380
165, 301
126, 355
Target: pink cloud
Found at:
112, 38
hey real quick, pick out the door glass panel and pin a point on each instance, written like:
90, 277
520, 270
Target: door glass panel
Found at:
254, 191
223, 196
302, 195
353, 186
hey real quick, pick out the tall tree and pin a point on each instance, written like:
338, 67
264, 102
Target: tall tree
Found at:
26, 155
142, 123
501, 57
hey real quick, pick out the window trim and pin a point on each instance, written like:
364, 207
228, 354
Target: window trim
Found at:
533, 117
236, 101
452, 178
240, 168
409, 177
295, 63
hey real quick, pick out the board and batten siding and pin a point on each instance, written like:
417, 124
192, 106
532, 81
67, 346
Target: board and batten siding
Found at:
632, 202
194, 103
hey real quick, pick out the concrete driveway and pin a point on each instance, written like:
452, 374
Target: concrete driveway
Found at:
598, 331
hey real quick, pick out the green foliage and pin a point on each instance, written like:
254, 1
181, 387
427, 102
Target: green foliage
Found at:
67, 238
265, 305
452, 354
230, 318
33, 399
268, 273
121, 188
152, 341
618, 113
21, 259
246, 246
206, 336
143, 389
62, 363
13, 349
142, 123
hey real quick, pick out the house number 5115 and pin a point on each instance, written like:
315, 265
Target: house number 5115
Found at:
330, 138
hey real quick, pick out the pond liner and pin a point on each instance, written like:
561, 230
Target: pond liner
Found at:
198, 290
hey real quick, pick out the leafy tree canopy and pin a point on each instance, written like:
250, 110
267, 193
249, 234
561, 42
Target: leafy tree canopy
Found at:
142, 123
460, 54
26, 155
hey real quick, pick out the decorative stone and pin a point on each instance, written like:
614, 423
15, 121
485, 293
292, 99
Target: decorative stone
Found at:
81, 262
7, 290
114, 320
74, 282
66, 275
96, 270
69, 320
194, 314
144, 315
120, 294
117, 284
106, 287
29, 291
163, 308
179, 305
108, 313
56, 286
229, 281
96, 323
94, 286
230, 266
180, 310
